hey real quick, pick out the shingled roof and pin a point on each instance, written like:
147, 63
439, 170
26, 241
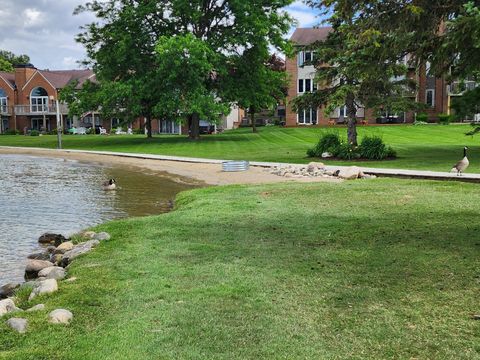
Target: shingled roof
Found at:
61, 78
308, 36
10, 77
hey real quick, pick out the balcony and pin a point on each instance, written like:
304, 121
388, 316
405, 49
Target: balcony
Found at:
457, 88
40, 109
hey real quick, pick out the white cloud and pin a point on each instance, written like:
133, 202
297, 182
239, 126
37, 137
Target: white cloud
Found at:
304, 18
69, 62
32, 17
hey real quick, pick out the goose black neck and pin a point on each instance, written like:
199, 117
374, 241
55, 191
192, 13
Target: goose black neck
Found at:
464, 152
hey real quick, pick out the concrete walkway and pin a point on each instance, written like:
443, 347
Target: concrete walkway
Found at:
412, 174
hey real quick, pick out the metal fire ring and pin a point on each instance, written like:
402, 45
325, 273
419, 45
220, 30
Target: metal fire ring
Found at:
235, 166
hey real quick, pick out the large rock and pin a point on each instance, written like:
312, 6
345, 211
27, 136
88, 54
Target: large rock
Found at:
47, 286
39, 256
52, 272
8, 290
326, 155
102, 236
314, 166
349, 173
64, 247
78, 250
34, 266
7, 306
60, 316
53, 239
38, 307
89, 234
18, 324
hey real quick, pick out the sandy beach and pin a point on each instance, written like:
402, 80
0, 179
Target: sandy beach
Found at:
209, 174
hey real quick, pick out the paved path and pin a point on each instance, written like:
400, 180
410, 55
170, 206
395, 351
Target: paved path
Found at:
418, 174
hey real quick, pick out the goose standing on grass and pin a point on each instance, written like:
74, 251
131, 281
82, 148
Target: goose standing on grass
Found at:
462, 165
109, 185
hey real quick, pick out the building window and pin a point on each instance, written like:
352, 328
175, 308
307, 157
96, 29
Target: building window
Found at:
3, 102
39, 100
305, 57
307, 116
300, 86
306, 85
430, 97
343, 112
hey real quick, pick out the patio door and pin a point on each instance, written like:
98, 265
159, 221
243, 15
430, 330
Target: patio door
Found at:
39, 104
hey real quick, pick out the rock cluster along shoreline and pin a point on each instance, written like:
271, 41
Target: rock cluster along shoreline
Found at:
318, 170
43, 272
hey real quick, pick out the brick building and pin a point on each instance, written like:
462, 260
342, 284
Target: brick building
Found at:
28, 100
432, 91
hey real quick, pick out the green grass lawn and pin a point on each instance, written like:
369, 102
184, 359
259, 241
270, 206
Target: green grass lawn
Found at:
431, 147
377, 269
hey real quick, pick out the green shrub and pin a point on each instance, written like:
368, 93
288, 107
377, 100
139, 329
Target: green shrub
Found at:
34, 133
346, 151
328, 142
422, 117
11, 132
444, 119
373, 148
139, 131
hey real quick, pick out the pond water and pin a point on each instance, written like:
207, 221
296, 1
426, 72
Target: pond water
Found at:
39, 195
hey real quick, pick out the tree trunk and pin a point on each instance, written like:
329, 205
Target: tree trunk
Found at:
252, 119
351, 119
148, 124
194, 127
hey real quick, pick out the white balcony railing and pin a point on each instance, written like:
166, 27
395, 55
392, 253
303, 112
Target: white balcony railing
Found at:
459, 87
50, 109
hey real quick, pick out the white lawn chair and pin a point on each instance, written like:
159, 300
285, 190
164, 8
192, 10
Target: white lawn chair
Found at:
103, 131
81, 131
129, 131
120, 131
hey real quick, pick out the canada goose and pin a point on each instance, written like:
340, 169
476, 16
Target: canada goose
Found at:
462, 165
109, 185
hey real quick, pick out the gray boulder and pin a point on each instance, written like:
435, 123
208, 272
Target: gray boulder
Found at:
47, 286
52, 272
102, 236
89, 234
63, 247
350, 173
78, 250
8, 290
60, 316
39, 256
38, 307
18, 324
34, 266
7, 306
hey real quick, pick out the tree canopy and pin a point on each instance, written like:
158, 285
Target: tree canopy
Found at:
123, 46
9, 59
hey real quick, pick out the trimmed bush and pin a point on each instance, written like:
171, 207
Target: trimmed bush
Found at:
11, 132
34, 133
422, 117
328, 142
444, 119
373, 148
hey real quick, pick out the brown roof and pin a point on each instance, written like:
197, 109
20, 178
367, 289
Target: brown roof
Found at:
307, 36
61, 78
10, 77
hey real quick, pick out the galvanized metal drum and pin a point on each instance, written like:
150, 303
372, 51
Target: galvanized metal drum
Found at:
231, 166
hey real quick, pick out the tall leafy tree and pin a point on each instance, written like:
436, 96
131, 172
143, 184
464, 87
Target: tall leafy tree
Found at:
257, 81
353, 71
121, 45
9, 59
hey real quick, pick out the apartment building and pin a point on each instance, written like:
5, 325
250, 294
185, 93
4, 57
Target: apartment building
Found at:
432, 91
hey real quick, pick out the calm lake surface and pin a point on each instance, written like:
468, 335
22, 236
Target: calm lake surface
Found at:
39, 195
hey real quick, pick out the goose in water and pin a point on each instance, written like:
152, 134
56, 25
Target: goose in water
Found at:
109, 185
462, 165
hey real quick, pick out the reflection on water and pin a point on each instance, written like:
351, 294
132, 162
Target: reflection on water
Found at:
41, 194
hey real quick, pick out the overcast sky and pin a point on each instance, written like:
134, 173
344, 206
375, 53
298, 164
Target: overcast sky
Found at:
45, 30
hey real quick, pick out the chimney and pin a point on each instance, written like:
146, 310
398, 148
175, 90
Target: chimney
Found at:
23, 72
